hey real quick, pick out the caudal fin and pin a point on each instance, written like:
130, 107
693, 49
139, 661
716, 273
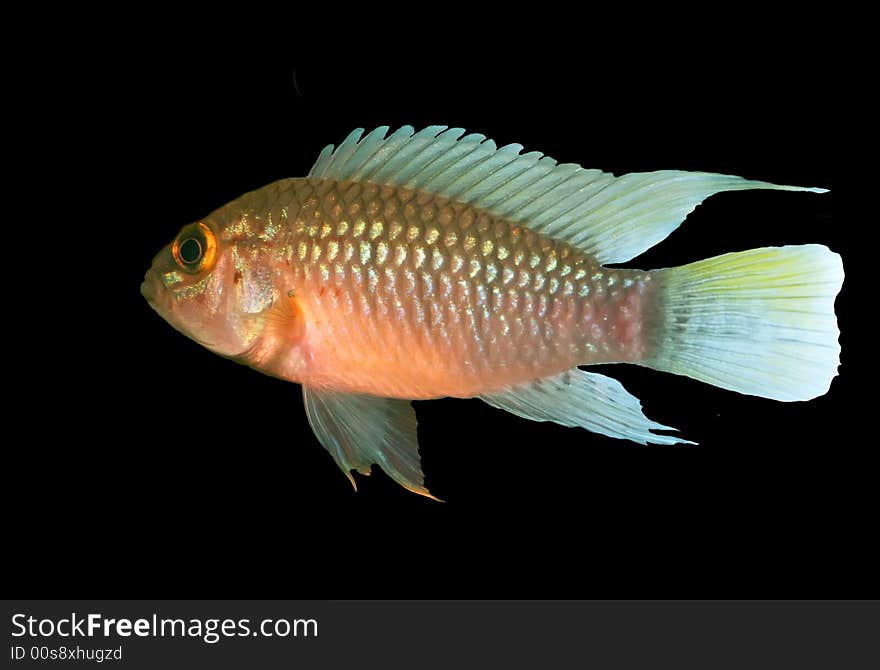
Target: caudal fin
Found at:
759, 322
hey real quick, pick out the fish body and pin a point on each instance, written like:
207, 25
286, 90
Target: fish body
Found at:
425, 265
412, 295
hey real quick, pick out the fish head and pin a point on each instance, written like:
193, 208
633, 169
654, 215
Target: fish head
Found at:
213, 289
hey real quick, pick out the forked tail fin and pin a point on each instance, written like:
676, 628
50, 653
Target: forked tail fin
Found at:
759, 322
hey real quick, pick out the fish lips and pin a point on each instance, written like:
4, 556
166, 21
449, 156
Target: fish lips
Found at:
151, 287
154, 292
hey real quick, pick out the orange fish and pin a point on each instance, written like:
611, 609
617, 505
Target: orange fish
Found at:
428, 264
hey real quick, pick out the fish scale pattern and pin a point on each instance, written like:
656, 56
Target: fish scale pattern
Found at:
409, 294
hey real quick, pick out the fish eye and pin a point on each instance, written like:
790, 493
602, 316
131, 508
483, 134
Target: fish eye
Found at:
194, 249
190, 251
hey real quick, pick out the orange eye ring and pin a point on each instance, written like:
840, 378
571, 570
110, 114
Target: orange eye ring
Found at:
195, 248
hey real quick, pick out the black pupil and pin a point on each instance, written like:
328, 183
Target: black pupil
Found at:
190, 251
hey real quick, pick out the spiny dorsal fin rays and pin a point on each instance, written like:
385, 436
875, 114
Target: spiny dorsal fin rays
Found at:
612, 218
338, 159
367, 147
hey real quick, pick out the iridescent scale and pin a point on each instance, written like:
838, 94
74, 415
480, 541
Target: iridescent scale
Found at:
408, 294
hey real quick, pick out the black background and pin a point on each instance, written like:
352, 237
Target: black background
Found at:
159, 469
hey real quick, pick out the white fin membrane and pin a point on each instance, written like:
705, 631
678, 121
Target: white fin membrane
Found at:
612, 218
759, 322
359, 430
585, 399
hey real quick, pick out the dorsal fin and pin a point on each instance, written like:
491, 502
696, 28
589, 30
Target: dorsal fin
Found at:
612, 218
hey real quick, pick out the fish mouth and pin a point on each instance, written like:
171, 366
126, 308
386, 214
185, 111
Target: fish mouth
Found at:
150, 287
154, 292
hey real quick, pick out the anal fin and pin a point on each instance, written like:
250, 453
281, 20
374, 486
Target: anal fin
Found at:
583, 399
360, 430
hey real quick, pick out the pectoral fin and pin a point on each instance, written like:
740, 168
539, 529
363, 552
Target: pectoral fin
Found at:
359, 430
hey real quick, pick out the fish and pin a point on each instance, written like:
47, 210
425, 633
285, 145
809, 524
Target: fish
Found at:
420, 265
